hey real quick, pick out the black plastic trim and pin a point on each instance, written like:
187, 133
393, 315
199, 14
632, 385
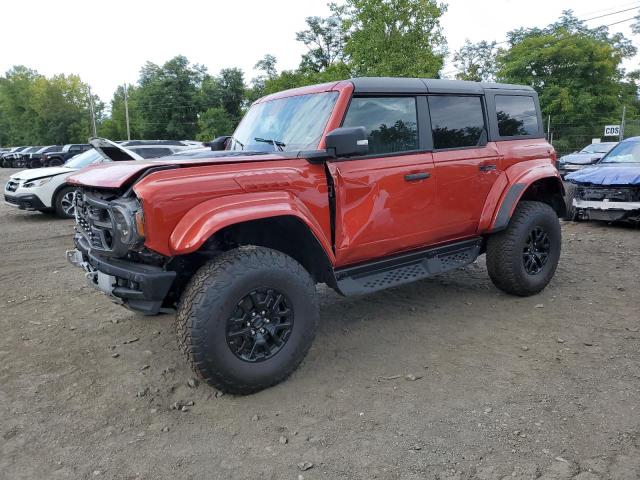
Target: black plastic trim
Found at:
510, 199
25, 202
406, 267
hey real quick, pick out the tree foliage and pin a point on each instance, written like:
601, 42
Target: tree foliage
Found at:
476, 61
38, 110
400, 38
167, 97
577, 72
325, 40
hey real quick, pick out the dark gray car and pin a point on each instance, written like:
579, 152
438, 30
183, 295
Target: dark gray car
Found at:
587, 156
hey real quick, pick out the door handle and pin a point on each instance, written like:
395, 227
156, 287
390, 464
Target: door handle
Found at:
414, 177
487, 167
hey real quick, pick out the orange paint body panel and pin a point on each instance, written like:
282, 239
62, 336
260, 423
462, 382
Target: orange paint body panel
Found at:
177, 204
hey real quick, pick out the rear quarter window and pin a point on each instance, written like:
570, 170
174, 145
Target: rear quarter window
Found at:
517, 116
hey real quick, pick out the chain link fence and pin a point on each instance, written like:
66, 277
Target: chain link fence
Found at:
569, 135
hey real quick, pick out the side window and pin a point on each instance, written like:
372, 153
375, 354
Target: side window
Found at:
391, 122
516, 115
75, 149
456, 121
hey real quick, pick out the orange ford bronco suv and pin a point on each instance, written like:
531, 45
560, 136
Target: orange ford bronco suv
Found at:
361, 184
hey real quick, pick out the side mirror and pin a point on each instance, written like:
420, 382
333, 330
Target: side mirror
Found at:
219, 143
347, 142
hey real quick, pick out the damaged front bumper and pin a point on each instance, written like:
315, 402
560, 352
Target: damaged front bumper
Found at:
607, 210
137, 286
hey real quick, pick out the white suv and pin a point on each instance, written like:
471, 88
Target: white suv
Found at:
45, 189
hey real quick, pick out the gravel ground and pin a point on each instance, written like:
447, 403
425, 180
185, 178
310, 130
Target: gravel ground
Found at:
443, 379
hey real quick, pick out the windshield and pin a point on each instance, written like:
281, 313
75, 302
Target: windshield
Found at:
597, 148
626, 152
83, 159
285, 124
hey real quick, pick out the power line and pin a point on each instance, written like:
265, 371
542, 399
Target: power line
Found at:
612, 7
609, 14
621, 21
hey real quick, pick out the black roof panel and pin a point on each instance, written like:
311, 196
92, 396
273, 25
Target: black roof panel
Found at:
427, 85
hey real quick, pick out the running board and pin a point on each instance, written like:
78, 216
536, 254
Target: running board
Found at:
406, 268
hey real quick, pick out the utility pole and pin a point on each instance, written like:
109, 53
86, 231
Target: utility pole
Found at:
93, 114
549, 129
624, 111
126, 111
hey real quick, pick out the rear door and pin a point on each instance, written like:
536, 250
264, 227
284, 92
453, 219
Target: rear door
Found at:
385, 201
466, 164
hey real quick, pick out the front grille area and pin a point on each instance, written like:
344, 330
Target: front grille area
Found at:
94, 221
11, 200
613, 194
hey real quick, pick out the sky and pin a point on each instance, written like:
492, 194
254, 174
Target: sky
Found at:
106, 42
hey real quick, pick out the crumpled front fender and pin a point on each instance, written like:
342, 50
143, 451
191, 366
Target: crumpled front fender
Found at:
211, 216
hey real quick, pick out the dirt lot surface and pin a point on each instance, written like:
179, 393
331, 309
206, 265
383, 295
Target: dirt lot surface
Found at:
443, 379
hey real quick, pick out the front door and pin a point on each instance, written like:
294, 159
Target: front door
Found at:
385, 201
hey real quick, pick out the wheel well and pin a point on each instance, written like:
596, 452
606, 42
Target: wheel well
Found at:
550, 191
286, 234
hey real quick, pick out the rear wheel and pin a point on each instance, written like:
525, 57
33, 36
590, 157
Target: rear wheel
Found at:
522, 259
64, 203
35, 164
247, 319
55, 162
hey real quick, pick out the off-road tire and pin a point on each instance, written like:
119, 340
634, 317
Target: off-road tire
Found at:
210, 299
58, 202
55, 162
35, 164
505, 250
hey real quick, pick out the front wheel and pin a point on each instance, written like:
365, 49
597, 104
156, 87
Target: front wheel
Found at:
247, 319
522, 259
64, 204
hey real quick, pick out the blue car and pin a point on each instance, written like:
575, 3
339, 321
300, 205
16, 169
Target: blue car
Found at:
610, 190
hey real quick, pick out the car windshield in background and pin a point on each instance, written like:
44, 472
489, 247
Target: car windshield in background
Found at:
286, 124
626, 152
597, 148
83, 159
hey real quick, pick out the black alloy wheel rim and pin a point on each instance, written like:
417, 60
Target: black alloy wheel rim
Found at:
260, 325
535, 253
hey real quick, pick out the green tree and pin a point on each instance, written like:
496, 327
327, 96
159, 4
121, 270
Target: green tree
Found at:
168, 99
393, 37
213, 123
476, 61
577, 72
325, 40
115, 127
38, 110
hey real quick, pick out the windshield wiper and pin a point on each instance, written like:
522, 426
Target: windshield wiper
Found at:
238, 142
275, 143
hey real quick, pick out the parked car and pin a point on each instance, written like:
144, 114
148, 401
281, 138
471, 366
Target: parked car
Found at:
46, 190
22, 158
589, 155
610, 190
150, 150
34, 160
362, 184
9, 157
55, 159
